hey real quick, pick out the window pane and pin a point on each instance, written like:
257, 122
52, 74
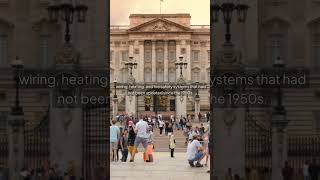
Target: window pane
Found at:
195, 55
3, 49
124, 55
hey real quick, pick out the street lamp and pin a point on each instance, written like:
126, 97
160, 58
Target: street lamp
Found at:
197, 103
17, 65
66, 11
227, 9
180, 64
115, 89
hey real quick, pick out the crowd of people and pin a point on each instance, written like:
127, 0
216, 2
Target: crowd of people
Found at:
131, 132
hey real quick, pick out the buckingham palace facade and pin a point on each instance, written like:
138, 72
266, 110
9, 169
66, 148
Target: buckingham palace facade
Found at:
155, 42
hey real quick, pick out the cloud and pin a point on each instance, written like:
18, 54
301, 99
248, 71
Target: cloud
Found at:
121, 9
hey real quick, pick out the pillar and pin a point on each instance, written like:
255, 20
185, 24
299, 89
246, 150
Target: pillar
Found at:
196, 110
131, 104
115, 107
181, 106
187, 58
154, 70
166, 62
15, 132
178, 53
141, 61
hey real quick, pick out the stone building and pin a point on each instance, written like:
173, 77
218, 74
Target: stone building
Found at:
155, 42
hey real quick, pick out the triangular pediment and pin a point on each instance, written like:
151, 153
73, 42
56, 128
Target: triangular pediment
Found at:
160, 25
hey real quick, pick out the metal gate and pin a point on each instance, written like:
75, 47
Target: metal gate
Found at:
95, 142
258, 142
37, 142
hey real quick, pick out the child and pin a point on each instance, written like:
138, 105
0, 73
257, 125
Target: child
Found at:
172, 144
149, 152
124, 145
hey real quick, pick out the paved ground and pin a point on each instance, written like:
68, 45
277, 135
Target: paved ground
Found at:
163, 168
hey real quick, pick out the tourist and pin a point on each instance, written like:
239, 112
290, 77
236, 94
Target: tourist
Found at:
124, 145
114, 139
141, 136
172, 144
314, 170
166, 128
287, 171
170, 128
201, 130
131, 139
119, 146
305, 170
195, 152
161, 124
181, 123
150, 145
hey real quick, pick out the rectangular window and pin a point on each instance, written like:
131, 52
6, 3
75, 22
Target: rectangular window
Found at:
195, 55
124, 55
195, 76
3, 49
160, 55
172, 56
208, 55
44, 51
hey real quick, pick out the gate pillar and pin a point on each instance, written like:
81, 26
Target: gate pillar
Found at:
229, 121
66, 114
15, 145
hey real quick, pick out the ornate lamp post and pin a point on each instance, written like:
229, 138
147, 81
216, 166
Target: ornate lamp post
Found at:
131, 65
115, 99
279, 123
16, 127
66, 11
131, 80
180, 65
197, 103
227, 9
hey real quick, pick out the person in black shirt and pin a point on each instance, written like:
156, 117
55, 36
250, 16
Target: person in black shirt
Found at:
314, 170
131, 139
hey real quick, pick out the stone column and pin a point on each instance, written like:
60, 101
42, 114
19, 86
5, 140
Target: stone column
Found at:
166, 62
131, 104
154, 68
196, 109
131, 53
141, 62
181, 106
178, 53
15, 132
115, 107
66, 137
187, 58
279, 152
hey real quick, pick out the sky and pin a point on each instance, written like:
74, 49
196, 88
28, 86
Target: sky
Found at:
121, 9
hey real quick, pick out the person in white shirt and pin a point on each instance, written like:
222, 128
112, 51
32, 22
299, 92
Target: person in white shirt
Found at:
161, 124
195, 152
141, 136
305, 170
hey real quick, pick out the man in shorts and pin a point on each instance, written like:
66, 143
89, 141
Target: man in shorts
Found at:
195, 152
114, 139
141, 136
